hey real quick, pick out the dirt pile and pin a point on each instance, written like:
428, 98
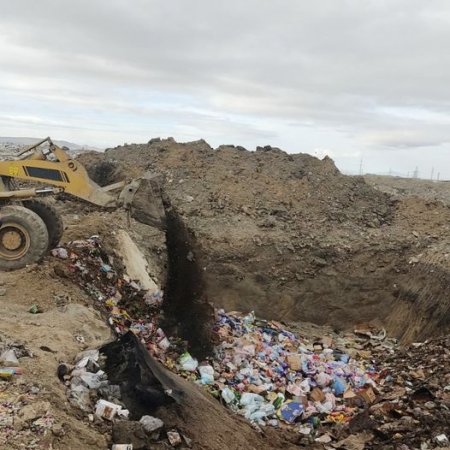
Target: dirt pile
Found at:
287, 235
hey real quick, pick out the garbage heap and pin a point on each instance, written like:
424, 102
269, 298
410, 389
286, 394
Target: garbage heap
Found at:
272, 377
115, 294
86, 377
101, 399
120, 299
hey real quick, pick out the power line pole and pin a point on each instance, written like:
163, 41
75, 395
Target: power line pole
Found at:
361, 167
432, 173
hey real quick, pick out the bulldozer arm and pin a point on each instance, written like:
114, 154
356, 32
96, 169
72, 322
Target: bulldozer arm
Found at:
68, 175
54, 167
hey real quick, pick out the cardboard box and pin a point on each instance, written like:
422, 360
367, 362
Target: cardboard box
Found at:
256, 389
294, 361
367, 395
317, 395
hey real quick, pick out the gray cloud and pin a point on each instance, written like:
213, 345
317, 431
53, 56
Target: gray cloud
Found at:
355, 77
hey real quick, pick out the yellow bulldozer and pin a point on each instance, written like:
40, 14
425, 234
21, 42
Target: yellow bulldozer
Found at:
30, 225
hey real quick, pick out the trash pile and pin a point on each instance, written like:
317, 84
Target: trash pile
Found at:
84, 379
272, 377
259, 369
93, 269
90, 390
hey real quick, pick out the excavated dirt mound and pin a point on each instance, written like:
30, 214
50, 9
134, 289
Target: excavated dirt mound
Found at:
292, 238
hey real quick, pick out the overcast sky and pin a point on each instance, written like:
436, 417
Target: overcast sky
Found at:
353, 79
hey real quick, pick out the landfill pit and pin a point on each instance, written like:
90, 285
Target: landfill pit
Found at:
328, 390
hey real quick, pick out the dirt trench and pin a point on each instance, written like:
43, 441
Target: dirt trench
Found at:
188, 313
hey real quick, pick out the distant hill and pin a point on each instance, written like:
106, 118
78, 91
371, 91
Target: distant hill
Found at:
25, 141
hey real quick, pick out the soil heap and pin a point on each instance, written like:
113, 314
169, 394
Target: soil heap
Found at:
289, 236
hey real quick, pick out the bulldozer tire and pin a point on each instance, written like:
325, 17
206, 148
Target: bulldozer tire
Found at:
23, 237
51, 218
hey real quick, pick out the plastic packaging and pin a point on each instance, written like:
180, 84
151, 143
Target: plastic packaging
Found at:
290, 411
4, 371
8, 357
206, 374
228, 395
106, 410
187, 362
151, 424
